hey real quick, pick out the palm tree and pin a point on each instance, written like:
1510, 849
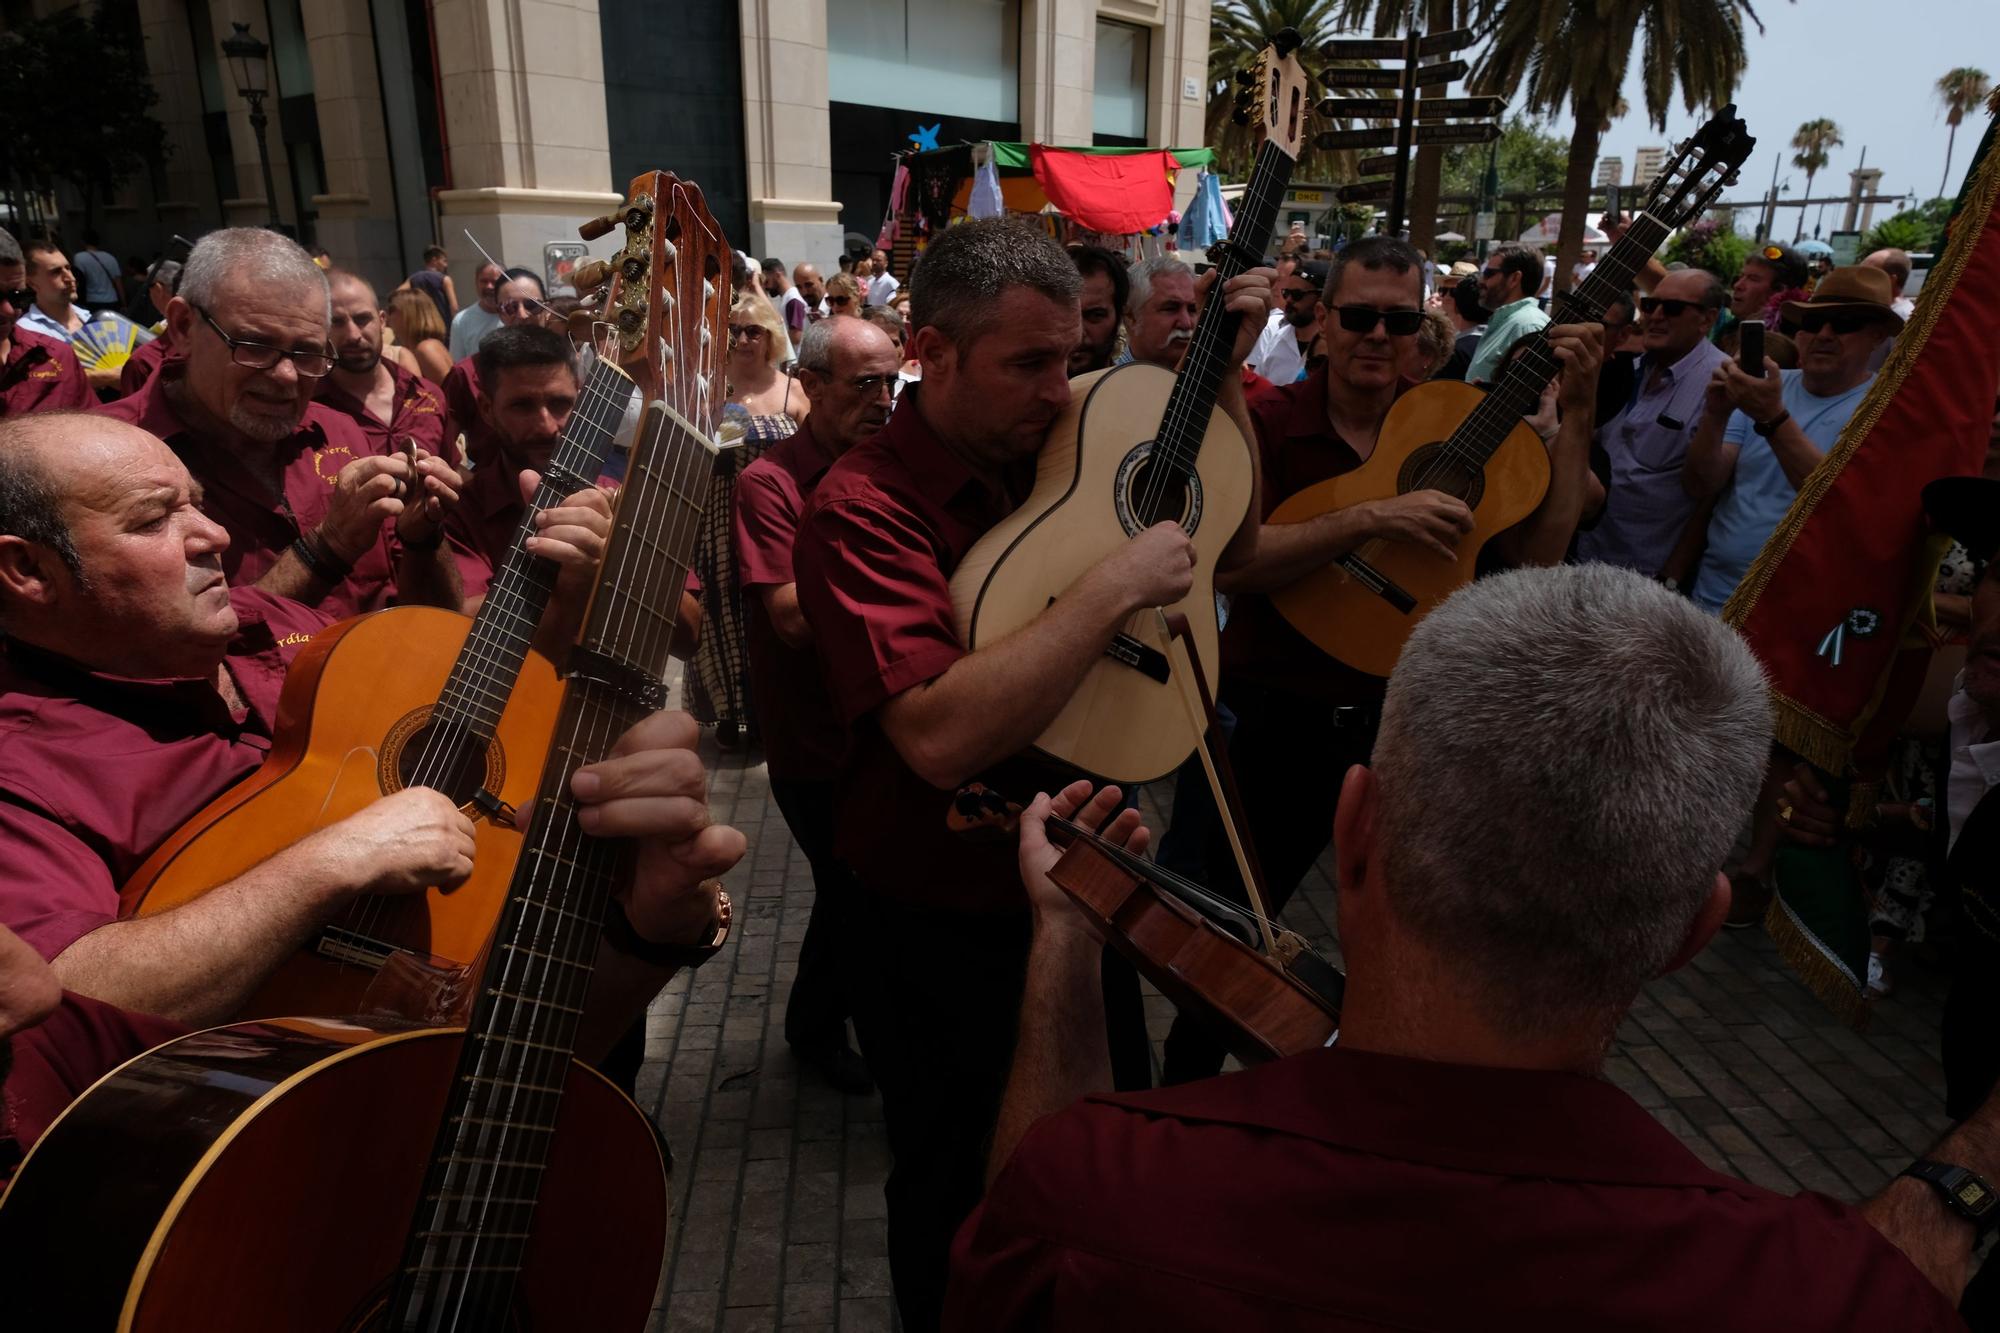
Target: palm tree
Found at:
1961, 91
1238, 30
1573, 54
1811, 147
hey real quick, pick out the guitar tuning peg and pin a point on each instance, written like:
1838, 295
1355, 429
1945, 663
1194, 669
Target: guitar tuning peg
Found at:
1240, 116
597, 227
591, 275
1246, 77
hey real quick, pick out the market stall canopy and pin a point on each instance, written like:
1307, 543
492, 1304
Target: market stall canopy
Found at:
1116, 194
1813, 249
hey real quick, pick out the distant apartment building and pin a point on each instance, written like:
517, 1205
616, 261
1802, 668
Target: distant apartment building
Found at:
1646, 164
1610, 170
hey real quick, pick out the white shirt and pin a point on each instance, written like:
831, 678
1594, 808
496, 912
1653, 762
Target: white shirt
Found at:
1903, 306
1975, 758
38, 321
882, 290
1277, 355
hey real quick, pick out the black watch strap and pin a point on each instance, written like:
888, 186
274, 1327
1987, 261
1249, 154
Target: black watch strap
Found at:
1769, 428
1964, 1192
618, 930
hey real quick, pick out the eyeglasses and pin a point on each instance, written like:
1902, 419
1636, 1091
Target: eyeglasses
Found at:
20, 299
870, 385
1298, 294
1840, 321
1364, 318
1675, 309
522, 307
840, 300
263, 356
747, 332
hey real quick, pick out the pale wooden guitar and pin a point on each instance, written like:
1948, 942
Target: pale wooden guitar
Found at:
1139, 445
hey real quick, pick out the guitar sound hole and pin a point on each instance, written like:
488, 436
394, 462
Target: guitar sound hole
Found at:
445, 758
1432, 468
1170, 504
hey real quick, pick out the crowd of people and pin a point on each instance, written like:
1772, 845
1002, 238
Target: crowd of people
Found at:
293, 450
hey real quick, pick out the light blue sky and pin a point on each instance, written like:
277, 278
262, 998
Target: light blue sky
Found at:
1868, 67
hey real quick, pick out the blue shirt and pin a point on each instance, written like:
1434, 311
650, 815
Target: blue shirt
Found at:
1760, 493
1646, 507
1510, 323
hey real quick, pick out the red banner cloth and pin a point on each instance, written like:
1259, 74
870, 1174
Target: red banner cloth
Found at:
1115, 193
1827, 603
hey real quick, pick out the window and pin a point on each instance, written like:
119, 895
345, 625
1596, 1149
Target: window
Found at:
1119, 95
932, 56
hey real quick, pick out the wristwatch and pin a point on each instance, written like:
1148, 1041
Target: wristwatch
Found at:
618, 930
1769, 428
1964, 1192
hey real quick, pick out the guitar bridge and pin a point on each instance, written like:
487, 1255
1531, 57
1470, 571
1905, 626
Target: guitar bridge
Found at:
1150, 662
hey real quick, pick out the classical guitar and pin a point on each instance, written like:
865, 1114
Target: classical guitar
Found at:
1140, 445
1450, 437
346, 1175
410, 696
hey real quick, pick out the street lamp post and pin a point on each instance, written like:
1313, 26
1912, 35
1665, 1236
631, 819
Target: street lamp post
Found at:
246, 55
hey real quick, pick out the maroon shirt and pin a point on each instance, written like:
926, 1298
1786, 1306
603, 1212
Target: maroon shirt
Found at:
41, 373
58, 1059
97, 771
1347, 1190
1297, 448
418, 414
803, 738
145, 361
261, 528
881, 536
480, 527
461, 399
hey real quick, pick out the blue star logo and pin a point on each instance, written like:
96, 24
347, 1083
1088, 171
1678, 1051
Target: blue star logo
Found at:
926, 137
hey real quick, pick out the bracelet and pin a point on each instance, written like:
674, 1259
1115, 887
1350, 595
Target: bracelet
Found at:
618, 932
322, 563
1769, 428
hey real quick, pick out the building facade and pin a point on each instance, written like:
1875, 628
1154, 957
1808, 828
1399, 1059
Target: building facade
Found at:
397, 122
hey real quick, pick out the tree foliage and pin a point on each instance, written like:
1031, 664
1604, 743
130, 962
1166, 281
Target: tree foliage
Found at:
1915, 229
86, 80
1238, 30
1710, 243
1960, 91
1531, 161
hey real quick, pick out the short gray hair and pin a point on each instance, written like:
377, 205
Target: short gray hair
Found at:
1566, 756
963, 273
1141, 277
31, 499
237, 254
816, 345
10, 249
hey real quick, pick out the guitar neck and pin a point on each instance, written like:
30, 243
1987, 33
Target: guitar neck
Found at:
1533, 363
476, 692
471, 1229
1185, 422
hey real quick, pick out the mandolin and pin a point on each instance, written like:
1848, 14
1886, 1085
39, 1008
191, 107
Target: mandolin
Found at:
406, 697
1139, 445
1450, 437
351, 1175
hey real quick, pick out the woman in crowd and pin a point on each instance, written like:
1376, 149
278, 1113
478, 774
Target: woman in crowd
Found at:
758, 351
413, 318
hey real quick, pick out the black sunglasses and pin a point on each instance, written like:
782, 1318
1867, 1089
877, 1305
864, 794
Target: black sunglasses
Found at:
1675, 309
20, 299
1840, 321
1364, 318
1298, 294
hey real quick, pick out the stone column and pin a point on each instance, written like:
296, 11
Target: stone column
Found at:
251, 207
1058, 68
1180, 64
187, 196
786, 141
357, 214
525, 128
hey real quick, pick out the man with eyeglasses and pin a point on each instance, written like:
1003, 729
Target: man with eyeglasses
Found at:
477, 320
1646, 508
36, 373
315, 511
1280, 354
1507, 287
1762, 436
848, 369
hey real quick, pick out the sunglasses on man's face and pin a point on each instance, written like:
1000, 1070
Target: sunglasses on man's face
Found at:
1364, 318
1674, 309
1298, 293
20, 298
1842, 322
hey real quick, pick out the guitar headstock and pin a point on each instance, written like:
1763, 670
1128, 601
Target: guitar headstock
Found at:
667, 303
1274, 95
1701, 168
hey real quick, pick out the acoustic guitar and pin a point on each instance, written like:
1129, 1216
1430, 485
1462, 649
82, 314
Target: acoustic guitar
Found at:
1139, 445
410, 696
336, 1176
1450, 437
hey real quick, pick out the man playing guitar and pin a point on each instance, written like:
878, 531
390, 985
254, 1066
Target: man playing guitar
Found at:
942, 926
1301, 718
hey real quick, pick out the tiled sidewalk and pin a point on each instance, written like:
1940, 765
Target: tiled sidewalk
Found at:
778, 1181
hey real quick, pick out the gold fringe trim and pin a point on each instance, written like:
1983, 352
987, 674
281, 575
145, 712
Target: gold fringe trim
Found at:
1832, 740
1843, 993
1862, 798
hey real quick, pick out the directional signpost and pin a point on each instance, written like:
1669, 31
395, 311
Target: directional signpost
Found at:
1405, 108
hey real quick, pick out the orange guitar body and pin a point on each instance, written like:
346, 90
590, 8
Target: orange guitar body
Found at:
349, 722
1350, 622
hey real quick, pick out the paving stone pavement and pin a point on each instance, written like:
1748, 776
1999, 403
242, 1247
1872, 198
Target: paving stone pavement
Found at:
778, 1213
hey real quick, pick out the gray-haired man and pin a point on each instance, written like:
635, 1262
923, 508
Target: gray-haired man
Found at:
1160, 312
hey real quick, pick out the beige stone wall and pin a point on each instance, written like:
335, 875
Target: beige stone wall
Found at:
187, 185
357, 213
787, 155
251, 207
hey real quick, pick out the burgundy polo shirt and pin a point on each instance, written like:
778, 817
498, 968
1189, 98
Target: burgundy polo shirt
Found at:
145, 361
262, 528
41, 373
803, 738
418, 414
96, 771
480, 527
1297, 448
461, 400
1348, 1190
58, 1059
881, 536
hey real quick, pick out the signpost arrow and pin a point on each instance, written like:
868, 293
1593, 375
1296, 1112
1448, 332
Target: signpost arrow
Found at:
1375, 166
1486, 133
1361, 108
1443, 108
1366, 192
1363, 48
1440, 42
1444, 73
1362, 78
1336, 140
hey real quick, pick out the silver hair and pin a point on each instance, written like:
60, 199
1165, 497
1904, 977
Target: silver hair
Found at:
1141, 277
816, 345
249, 254
1566, 756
